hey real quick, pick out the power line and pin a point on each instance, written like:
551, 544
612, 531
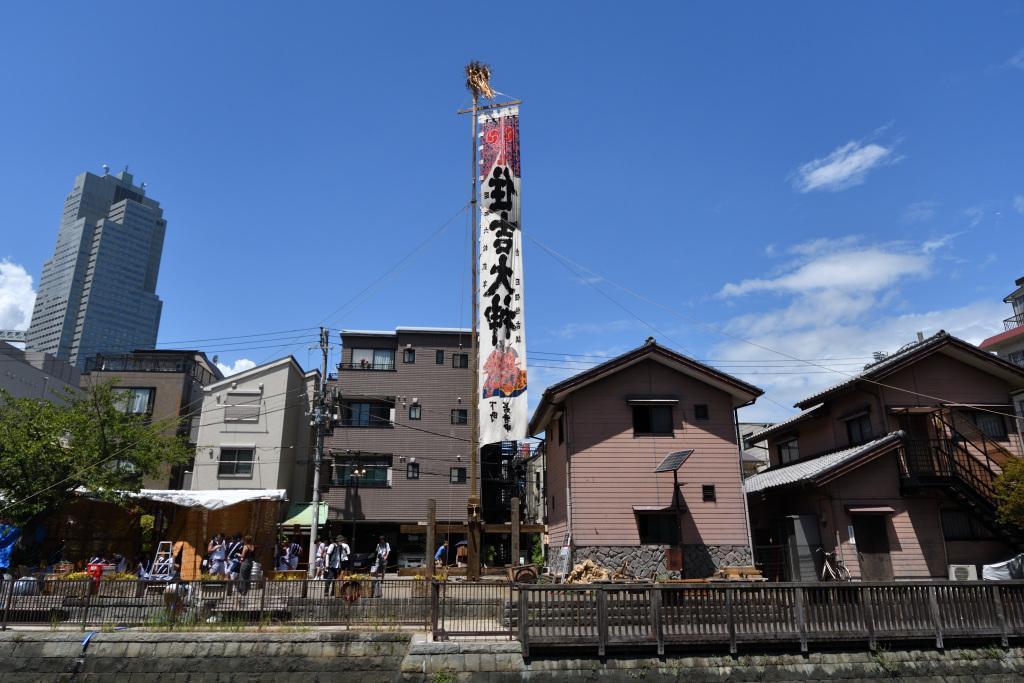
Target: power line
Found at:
565, 261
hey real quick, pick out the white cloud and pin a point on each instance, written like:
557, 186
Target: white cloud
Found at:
240, 365
939, 243
1017, 60
919, 212
866, 269
975, 214
841, 304
847, 166
17, 297
1018, 203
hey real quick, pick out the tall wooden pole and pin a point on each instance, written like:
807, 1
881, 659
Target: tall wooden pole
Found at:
515, 532
473, 505
431, 538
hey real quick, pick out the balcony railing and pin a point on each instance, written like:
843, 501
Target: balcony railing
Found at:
368, 365
1013, 322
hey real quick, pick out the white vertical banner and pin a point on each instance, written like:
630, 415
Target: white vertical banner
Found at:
502, 344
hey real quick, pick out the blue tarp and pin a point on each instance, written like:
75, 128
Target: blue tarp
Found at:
9, 535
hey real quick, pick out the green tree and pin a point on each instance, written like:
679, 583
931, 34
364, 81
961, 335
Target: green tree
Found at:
48, 450
1010, 493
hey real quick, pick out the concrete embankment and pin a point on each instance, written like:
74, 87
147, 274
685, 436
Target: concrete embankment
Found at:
208, 657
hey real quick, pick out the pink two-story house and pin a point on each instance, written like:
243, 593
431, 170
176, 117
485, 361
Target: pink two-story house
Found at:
892, 469
607, 430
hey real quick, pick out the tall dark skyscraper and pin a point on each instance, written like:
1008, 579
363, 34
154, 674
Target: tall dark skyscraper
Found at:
98, 291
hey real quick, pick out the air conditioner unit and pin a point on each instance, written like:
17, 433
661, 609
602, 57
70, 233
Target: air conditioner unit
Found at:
963, 572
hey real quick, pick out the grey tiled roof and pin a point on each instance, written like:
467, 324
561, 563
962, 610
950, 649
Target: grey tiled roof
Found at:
810, 469
876, 368
779, 426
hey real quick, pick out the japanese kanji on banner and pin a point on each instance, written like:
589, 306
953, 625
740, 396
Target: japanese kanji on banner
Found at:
503, 415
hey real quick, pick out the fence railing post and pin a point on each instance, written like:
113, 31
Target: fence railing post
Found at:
730, 621
933, 604
602, 621
435, 605
997, 601
8, 594
659, 633
868, 614
524, 626
801, 616
88, 599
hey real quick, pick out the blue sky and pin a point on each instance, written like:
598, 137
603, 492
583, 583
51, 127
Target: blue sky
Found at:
823, 180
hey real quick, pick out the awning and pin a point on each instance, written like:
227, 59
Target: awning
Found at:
301, 514
211, 499
877, 509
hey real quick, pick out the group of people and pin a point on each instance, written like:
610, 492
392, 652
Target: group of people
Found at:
288, 554
231, 558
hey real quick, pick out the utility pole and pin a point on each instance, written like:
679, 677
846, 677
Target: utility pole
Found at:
319, 420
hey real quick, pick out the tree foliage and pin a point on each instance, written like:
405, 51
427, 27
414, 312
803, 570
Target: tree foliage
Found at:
1010, 493
50, 449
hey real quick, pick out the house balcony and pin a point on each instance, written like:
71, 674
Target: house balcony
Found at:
369, 366
1013, 322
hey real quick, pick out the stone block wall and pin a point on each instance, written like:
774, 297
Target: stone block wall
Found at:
699, 560
199, 657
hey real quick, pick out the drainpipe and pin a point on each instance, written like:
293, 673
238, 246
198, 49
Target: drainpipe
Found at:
568, 478
743, 493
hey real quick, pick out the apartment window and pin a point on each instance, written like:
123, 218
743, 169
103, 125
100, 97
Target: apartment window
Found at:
370, 473
457, 475
134, 400
415, 411
373, 359
460, 360
788, 451
409, 356
439, 357
360, 414
858, 429
708, 493
700, 412
652, 420
242, 406
990, 424
412, 470
235, 462
460, 416
960, 526
657, 528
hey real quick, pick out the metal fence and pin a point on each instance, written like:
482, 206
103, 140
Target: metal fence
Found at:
367, 603
596, 615
472, 609
783, 614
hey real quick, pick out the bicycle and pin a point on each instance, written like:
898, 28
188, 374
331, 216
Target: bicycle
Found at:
832, 568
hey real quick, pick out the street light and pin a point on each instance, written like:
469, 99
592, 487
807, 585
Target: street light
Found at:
355, 472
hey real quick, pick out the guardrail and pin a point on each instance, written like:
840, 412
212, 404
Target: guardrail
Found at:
368, 603
662, 615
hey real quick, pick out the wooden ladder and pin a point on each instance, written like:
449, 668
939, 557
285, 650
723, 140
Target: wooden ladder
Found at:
163, 561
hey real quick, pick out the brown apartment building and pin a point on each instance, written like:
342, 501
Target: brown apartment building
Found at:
606, 431
165, 386
402, 434
892, 469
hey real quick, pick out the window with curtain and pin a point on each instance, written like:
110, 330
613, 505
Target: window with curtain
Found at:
858, 429
993, 426
134, 400
789, 451
383, 359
